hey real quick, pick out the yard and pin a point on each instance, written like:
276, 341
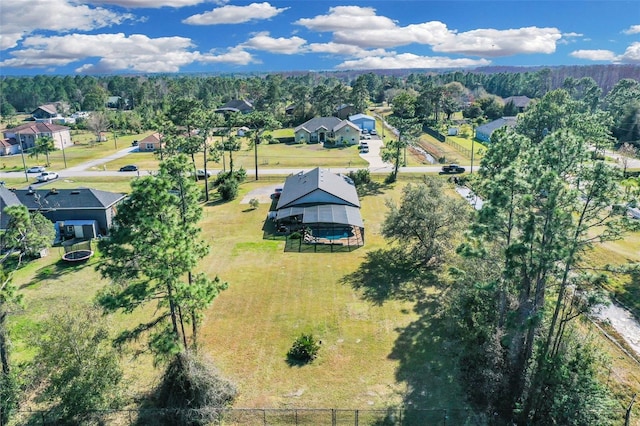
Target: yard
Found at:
375, 352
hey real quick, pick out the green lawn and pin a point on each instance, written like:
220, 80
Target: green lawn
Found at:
273, 297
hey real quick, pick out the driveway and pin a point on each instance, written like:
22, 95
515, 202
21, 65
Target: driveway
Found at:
373, 156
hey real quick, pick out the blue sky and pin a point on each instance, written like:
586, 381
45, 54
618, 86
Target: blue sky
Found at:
171, 36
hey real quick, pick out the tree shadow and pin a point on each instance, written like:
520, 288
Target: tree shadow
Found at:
385, 274
55, 271
371, 189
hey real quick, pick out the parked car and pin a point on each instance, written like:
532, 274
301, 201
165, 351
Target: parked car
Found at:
201, 174
366, 136
373, 132
134, 143
47, 176
277, 193
36, 169
451, 169
129, 168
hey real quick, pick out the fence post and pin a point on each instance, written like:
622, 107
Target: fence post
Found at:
264, 416
333, 417
444, 418
356, 418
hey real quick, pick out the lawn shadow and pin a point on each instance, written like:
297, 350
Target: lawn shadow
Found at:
385, 274
372, 189
55, 271
428, 365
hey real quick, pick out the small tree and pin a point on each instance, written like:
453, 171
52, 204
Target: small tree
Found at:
29, 233
305, 349
77, 364
44, 145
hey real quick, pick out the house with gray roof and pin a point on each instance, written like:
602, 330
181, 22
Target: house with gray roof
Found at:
324, 206
520, 102
236, 105
91, 209
484, 132
7, 199
327, 129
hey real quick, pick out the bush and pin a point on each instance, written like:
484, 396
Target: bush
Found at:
228, 190
295, 236
254, 203
360, 177
305, 349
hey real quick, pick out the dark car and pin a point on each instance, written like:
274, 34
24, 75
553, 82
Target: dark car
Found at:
129, 168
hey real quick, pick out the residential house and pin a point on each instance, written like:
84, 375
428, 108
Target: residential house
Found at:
26, 134
484, 132
327, 129
151, 143
9, 146
520, 102
7, 198
76, 213
236, 105
50, 112
324, 205
363, 121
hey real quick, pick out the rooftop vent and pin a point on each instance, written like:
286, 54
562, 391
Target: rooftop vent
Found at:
75, 192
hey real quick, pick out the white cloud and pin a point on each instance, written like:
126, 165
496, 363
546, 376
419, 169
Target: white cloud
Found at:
286, 46
634, 29
494, 43
117, 52
343, 49
360, 26
20, 18
409, 60
594, 55
151, 4
235, 14
632, 54
347, 18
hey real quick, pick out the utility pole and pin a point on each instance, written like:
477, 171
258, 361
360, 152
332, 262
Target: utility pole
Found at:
24, 165
473, 141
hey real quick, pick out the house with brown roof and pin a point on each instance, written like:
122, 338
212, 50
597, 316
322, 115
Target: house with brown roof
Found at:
49, 112
151, 143
9, 146
26, 134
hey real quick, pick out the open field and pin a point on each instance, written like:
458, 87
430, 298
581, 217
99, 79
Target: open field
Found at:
375, 353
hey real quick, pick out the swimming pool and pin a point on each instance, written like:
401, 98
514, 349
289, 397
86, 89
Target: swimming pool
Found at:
332, 234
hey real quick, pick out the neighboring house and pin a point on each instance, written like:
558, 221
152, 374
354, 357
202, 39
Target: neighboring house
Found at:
77, 213
7, 198
151, 143
9, 146
322, 204
26, 134
236, 105
484, 132
520, 102
50, 112
363, 121
325, 129
344, 111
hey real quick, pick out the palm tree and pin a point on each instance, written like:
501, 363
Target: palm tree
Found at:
44, 145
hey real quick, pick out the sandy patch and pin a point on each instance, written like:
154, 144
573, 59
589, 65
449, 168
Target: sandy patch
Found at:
263, 194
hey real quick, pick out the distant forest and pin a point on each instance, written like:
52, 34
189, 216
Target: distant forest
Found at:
477, 93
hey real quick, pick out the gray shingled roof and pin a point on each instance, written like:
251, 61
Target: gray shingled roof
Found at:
318, 122
496, 124
7, 198
67, 199
298, 186
236, 105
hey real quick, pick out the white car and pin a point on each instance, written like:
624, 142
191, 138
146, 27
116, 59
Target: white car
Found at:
200, 173
36, 169
47, 176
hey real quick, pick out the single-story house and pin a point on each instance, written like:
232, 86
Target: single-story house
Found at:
325, 129
50, 111
324, 206
7, 198
520, 102
151, 143
484, 132
363, 121
26, 134
236, 105
89, 212
9, 146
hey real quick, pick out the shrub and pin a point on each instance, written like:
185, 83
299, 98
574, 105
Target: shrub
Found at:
360, 176
295, 236
305, 349
228, 190
254, 203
